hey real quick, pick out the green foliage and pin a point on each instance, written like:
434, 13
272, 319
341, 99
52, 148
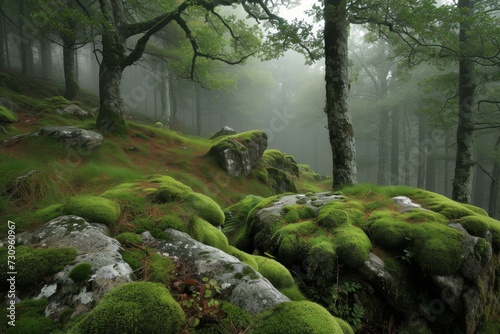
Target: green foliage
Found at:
33, 264
94, 209
7, 116
80, 272
137, 307
158, 268
343, 306
301, 317
30, 318
199, 300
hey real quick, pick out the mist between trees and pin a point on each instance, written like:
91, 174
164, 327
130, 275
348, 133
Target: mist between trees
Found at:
419, 81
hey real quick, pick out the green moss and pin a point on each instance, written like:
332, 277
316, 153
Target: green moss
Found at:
33, 264
137, 307
234, 318
208, 234
159, 268
49, 213
351, 245
50, 104
302, 317
172, 221
330, 217
127, 238
476, 209
490, 327
80, 272
346, 328
243, 257
475, 225
321, 264
7, 116
94, 209
292, 248
437, 249
30, 318
422, 216
133, 257
275, 272
388, 230
293, 293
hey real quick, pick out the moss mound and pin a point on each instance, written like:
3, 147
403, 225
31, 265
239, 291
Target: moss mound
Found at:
275, 272
95, 209
137, 307
34, 264
80, 272
296, 318
30, 318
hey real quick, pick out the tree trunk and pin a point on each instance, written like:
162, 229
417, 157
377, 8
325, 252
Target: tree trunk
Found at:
46, 54
383, 146
198, 110
173, 99
25, 43
421, 150
430, 163
494, 186
337, 91
395, 148
165, 101
462, 183
69, 65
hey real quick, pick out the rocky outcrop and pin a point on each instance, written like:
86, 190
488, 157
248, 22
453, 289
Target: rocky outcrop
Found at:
76, 111
72, 136
224, 131
94, 247
241, 284
237, 154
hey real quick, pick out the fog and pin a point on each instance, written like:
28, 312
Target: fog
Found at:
403, 118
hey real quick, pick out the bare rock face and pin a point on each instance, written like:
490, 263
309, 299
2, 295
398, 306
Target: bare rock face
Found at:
93, 247
237, 154
72, 136
241, 284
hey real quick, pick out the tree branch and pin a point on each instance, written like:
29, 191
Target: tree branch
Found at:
487, 173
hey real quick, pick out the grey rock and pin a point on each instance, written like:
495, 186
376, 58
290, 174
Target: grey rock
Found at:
224, 131
237, 154
72, 136
74, 110
9, 104
451, 288
93, 246
406, 204
241, 284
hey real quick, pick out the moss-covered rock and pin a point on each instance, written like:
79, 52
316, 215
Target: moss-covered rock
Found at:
208, 234
275, 272
296, 318
137, 307
30, 318
95, 209
33, 264
129, 238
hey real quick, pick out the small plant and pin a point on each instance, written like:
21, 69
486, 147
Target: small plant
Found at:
341, 305
198, 300
408, 255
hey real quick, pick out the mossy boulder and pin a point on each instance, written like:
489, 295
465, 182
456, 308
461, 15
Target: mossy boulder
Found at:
238, 154
301, 317
34, 264
95, 209
30, 318
137, 307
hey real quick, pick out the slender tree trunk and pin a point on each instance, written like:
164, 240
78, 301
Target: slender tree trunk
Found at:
2, 42
494, 186
421, 150
173, 99
462, 183
25, 43
395, 148
198, 109
383, 146
446, 166
165, 101
407, 148
337, 92
430, 165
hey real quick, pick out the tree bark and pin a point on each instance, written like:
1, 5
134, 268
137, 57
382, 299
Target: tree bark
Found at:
337, 90
462, 182
395, 148
69, 65
25, 43
494, 186
430, 163
421, 150
383, 146
46, 55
